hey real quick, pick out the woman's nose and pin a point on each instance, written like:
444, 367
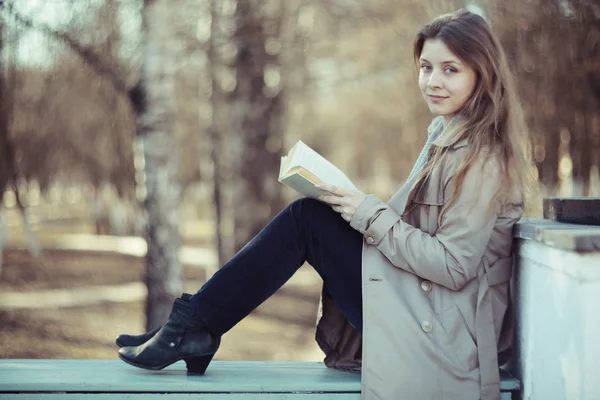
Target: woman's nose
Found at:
434, 80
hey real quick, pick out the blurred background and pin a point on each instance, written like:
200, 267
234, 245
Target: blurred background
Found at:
140, 143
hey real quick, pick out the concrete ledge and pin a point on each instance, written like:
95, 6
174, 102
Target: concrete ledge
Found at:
556, 286
113, 379
572, 237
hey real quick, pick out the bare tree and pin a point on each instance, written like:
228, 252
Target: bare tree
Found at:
151, 100
218, 115
553, 46
5, 146
8, 165
256, 128
154, 107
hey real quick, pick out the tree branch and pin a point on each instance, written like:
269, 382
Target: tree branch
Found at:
86, 53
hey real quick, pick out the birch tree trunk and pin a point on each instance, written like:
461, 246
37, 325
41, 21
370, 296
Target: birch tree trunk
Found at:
155, 108
5, 154
222, 203
152, 100
5, 148
256, 129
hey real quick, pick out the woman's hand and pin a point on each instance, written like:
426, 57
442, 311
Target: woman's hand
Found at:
342, 200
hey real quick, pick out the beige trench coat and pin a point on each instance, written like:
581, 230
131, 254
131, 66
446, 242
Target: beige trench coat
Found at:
435, 296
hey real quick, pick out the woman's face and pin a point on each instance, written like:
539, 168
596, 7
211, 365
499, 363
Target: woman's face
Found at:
445, 81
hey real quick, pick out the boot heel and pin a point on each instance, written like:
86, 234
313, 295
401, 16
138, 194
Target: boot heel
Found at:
197, 365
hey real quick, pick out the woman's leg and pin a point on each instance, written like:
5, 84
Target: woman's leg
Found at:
306, 230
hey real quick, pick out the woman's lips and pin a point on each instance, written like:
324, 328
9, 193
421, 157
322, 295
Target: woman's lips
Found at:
436, 99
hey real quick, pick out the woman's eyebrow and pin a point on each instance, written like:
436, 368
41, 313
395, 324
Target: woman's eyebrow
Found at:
452, 62
443, 62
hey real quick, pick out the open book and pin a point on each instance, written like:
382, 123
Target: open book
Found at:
303, 168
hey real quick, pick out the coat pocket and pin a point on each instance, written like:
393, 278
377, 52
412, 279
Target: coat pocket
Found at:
460, 338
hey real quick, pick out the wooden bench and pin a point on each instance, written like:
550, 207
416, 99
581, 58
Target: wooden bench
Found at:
224, 380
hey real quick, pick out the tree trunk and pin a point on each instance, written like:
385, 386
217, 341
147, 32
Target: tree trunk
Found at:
152, 100
3, 140
579, 151
224, 243
6, 146
256, 130
594, 133
33, 245
548, 168
154, 103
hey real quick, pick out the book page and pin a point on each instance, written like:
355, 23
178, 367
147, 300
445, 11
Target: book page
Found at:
302, 184
283, 166
318, 165
287, 161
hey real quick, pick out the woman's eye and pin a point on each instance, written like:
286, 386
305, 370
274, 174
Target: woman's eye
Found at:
450, 70
425, 67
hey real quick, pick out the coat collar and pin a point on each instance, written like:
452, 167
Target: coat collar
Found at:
460, 143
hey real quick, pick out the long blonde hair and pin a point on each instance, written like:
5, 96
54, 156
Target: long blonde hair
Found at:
491, 118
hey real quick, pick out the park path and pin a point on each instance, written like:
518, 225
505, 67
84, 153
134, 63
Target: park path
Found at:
126, 292
272, 332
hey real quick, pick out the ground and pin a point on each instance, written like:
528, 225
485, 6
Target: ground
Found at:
281, 329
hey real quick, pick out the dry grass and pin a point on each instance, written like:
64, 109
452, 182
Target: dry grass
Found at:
280, 329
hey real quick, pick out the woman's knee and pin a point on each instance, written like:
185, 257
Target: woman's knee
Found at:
306, 206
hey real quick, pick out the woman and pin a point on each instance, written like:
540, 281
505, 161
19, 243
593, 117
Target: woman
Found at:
416, 289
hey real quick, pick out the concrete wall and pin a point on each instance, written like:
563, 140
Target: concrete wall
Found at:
556, 282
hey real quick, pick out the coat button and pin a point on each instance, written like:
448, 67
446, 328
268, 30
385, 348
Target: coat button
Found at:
426, 286
426, 326
370, 240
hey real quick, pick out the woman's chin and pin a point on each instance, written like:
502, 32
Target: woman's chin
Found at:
439, 111
436, 110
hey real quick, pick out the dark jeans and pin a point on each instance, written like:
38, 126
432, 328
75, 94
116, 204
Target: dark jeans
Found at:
306, 230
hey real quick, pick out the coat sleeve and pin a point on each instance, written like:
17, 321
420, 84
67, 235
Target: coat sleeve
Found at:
451, 256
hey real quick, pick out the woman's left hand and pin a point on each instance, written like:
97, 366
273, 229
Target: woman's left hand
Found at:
342, 200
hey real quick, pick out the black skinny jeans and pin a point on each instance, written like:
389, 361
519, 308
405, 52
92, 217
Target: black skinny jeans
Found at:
306, 230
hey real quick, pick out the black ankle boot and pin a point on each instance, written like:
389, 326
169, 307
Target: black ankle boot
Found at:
136, 340
183, 337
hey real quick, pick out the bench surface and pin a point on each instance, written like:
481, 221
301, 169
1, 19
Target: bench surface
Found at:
223, 379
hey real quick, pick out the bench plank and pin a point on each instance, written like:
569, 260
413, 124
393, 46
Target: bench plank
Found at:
199, 396
232, 380
183, 396
106, 376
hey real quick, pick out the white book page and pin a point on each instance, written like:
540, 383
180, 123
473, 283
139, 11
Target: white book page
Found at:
320, 166
283, 166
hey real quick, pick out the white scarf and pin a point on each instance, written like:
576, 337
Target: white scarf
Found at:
435, 129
